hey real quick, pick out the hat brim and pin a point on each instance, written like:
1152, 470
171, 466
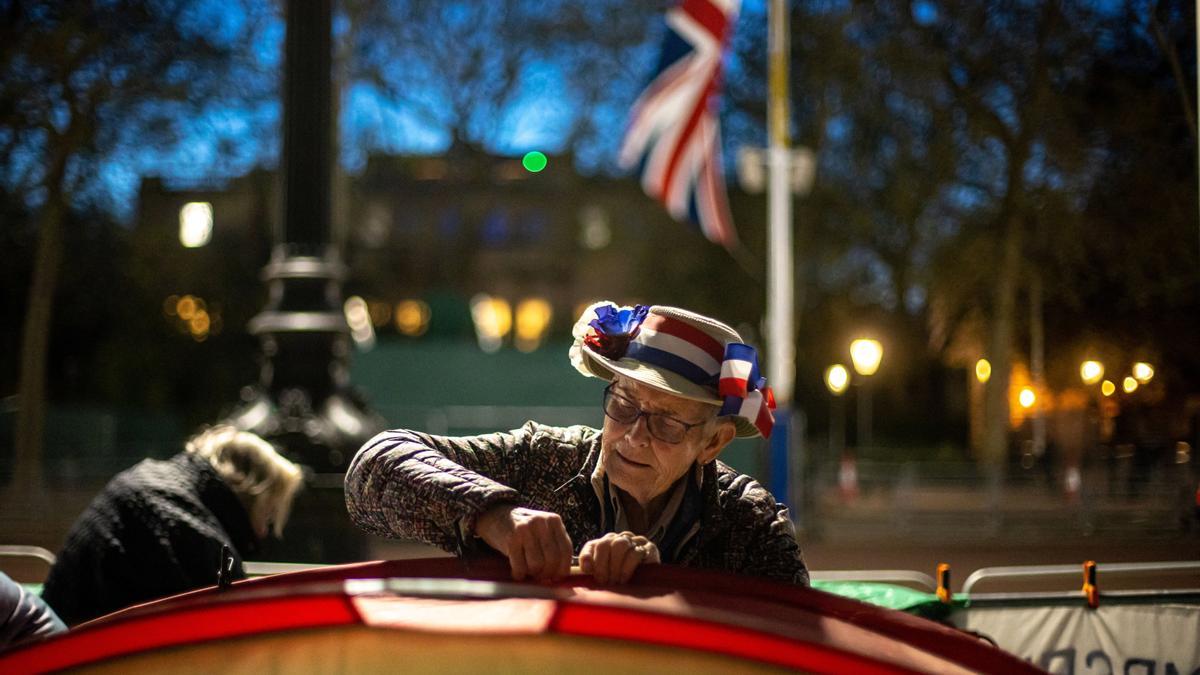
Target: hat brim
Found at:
663, 380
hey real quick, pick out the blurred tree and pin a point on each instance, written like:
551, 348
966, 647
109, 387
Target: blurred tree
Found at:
869, 102
944, 130
470, 70
1129, 273
965, 149
82, 81
1009, 69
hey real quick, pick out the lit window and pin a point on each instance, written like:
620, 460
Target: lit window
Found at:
533, 318
195, 224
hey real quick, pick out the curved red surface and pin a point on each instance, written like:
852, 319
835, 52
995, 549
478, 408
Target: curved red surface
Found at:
172, 628
723, 614
630, 625
946, 641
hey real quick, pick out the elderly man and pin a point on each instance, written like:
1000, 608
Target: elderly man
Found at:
646, 488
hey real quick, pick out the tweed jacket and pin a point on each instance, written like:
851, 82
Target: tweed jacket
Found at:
406, 484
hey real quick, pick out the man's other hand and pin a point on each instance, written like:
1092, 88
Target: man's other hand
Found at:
612, 559
536, 542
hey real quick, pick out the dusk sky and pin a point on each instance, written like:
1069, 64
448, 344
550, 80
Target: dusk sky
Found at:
227, 141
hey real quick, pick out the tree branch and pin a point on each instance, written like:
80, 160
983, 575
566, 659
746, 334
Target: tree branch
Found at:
1172, 56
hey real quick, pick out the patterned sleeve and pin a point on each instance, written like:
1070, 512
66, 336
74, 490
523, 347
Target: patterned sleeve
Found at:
771, 549
776, 553
406, 484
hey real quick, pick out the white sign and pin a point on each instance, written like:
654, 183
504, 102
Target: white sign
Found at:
1125, 639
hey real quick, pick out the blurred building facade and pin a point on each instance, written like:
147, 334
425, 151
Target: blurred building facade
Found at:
422, 228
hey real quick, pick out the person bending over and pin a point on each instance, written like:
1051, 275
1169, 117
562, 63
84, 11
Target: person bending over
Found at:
158, 528
646, 488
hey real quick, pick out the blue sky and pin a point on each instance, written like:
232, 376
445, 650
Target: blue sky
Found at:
226, 140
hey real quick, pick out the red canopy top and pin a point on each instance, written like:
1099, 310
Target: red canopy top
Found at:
665, 613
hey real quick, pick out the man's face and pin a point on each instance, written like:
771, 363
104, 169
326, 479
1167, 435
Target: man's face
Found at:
645, 466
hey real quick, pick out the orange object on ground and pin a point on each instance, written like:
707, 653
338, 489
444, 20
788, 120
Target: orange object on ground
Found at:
1089, 584
943, 581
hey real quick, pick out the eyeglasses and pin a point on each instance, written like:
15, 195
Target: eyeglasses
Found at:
663, 427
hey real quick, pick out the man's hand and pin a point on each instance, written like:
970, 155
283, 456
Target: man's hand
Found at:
613, 558
536, 542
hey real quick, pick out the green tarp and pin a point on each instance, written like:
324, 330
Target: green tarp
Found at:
891, 596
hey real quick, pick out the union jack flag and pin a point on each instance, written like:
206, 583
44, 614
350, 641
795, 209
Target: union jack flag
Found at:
674, 135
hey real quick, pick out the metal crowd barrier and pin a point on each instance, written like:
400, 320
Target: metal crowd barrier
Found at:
883, 576
1092, 590
259, 569
1027, 571
12, 551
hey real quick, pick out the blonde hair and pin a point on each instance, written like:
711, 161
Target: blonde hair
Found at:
263, 479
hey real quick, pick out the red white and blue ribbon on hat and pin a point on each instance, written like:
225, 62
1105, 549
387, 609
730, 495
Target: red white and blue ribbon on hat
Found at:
689, 352
745, 391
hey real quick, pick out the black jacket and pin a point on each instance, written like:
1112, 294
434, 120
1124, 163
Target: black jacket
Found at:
156, 530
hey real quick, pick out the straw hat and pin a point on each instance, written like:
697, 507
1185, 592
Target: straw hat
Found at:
676, 351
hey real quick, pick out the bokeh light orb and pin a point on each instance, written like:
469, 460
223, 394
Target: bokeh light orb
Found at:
1143, 372
1027, 398
983, 370
534, 161
837, 378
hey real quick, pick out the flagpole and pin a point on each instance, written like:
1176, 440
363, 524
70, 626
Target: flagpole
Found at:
781, 350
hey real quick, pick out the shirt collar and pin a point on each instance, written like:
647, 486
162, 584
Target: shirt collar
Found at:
678, 521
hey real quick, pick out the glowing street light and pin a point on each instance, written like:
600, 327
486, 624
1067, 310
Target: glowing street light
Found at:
1091, 372
983, 370
866, 355
1143, 372
1129, 384
837, 378
1108, 388
1027, 398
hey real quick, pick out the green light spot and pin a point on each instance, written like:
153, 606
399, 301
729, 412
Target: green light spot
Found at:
533, 161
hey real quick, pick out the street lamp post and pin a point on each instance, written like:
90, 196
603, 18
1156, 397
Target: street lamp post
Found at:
303, 401
837, 379
1091, 373
865, 355
785, 172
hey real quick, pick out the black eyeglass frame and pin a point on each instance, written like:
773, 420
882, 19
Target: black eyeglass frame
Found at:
687, 426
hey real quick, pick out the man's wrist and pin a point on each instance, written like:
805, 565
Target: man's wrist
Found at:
487, 519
